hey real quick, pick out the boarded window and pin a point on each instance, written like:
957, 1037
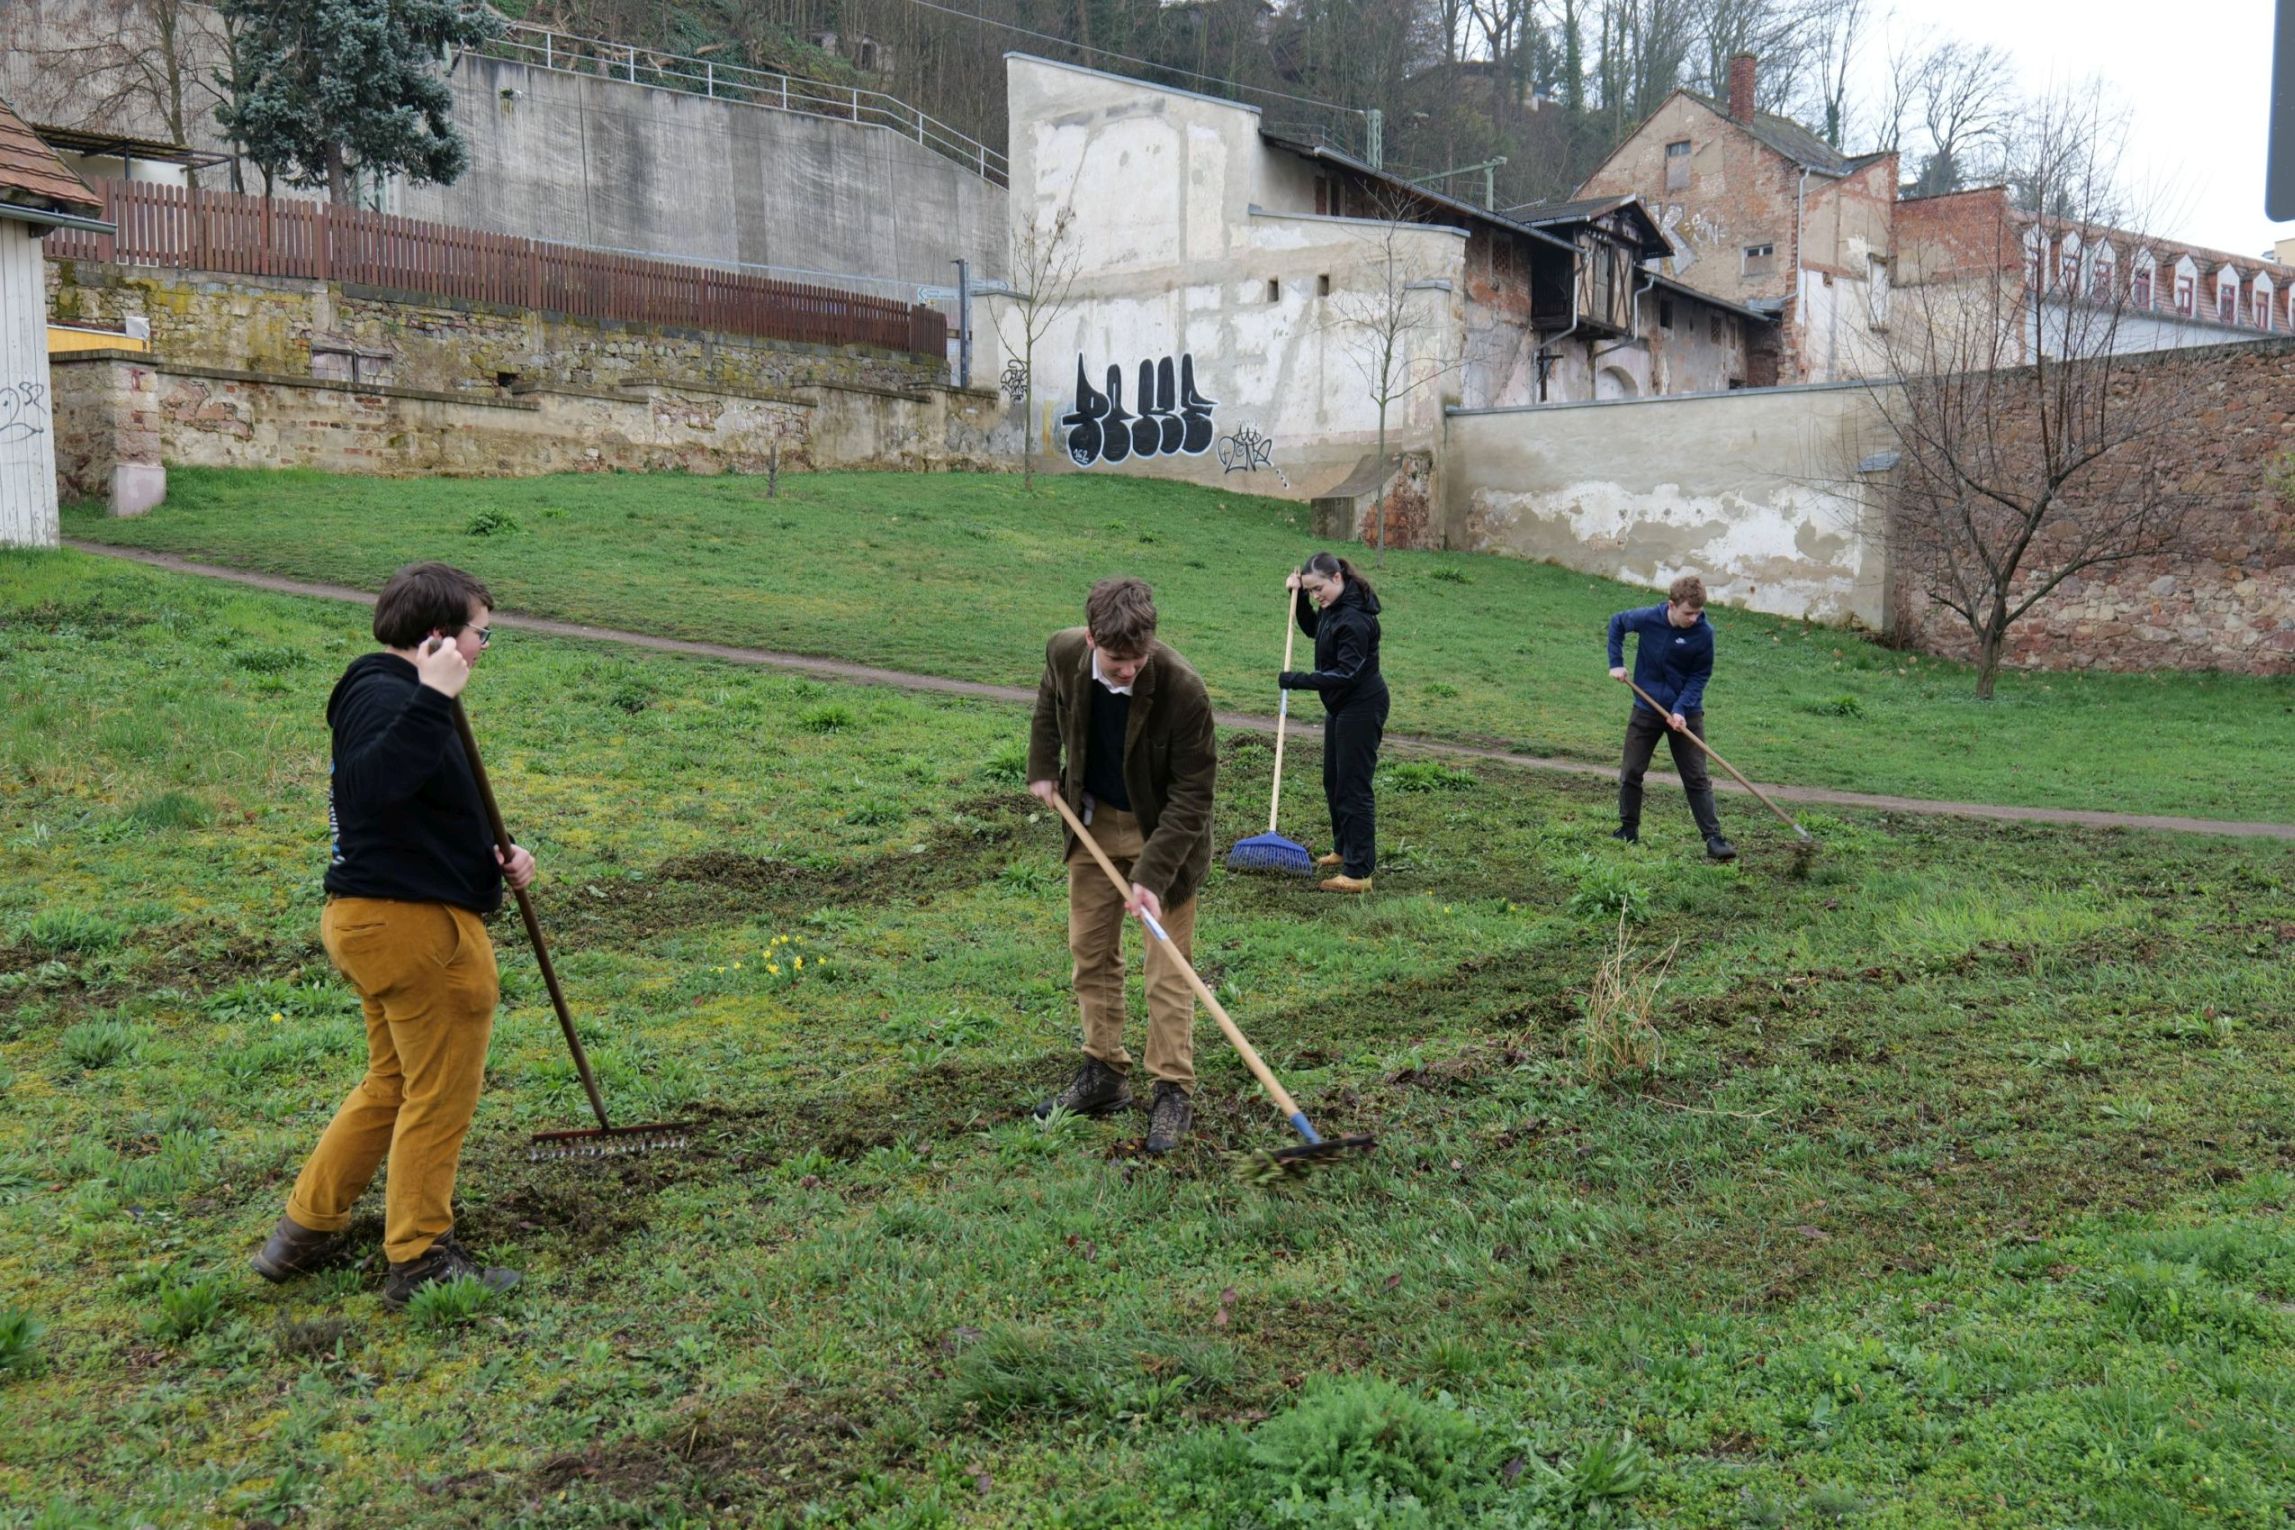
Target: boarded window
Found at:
1274, 290
1323, 285
1677, 165
1713, 331
1761, 260
1877, 289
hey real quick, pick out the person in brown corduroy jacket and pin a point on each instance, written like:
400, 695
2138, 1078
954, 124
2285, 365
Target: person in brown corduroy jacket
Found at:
1123, 731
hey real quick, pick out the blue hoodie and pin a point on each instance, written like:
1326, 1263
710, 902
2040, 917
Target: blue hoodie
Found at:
1671, 663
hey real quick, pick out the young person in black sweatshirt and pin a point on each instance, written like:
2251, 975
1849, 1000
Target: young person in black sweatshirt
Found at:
413, 872
1336, 606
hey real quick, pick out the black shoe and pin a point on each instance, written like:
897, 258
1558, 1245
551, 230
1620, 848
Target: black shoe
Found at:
1719, 849
443, 1261
1172, 1115
1630, 833
1094, 1091
294, 1249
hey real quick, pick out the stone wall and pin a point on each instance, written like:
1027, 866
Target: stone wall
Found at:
129, 410
2225, 598
299, 328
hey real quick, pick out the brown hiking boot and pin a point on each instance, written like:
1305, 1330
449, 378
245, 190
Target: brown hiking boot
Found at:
443, 1261
1345, 884
1325, 862
1094, 1091
293, 1249
1169, 1120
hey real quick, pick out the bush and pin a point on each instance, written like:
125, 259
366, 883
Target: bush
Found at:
492, 523
1427, 776
1608, 889
187, 1310
19, 1342
94, 1044
450, 1303
57, 930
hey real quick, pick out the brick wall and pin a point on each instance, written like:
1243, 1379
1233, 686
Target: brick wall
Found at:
2225, 599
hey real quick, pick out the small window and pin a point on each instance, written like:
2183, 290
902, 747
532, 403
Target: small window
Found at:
2227, 298
1760, 259
1665, 313
2186, 293
1323, 285
2260, 309
1877, 289
2140, 290
1677, 165
1713, 331
1736, 383
1274, 290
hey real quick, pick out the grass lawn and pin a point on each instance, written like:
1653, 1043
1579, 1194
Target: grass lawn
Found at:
964, 576
1961, 1192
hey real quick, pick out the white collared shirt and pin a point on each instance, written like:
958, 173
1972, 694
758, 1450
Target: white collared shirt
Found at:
1100, 679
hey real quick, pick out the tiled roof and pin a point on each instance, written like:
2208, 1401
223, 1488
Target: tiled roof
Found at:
1792, 140
30, 171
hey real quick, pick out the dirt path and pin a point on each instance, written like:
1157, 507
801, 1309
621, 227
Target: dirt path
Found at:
864, 674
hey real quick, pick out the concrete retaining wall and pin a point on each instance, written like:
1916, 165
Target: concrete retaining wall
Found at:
1756, 491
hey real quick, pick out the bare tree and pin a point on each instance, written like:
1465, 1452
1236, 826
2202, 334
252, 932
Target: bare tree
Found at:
1045, 262
2025, 428
134, 68
1389, 333
1966, 95
1836, 29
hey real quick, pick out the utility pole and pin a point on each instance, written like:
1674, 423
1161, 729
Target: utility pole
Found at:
964, 324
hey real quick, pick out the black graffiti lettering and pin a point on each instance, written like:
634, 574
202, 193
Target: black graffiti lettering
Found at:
1195, 409
1116, 442
1173, 418
1247, 451
21, 410
1084, 431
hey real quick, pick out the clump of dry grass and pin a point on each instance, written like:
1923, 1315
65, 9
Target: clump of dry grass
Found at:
1619, 1039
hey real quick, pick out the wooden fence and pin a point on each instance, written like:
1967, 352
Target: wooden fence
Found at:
238, 235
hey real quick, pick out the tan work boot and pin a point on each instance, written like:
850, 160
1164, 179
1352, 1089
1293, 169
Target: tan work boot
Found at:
1345, 884
1333, 859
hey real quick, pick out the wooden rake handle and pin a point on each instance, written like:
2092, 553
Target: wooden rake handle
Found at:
533, 925
1282, 707
1235, 1038
1715, 755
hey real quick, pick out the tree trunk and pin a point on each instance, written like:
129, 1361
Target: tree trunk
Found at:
1379, 560
1989, 645
340, 190
1028, 423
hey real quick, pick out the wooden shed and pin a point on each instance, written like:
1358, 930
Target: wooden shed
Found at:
37, 195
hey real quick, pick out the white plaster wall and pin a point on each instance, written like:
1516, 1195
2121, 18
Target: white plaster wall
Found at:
1753, 491
1176, 263
27, 416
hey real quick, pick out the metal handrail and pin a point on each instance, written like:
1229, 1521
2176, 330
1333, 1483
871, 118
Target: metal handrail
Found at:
560, 52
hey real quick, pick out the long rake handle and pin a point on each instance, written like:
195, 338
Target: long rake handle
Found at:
1715, 755
533, 925
1235, 1038
1283, 707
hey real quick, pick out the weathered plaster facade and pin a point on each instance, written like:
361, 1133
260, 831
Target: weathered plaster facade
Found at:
1199, 249
1757, 492
1796, 233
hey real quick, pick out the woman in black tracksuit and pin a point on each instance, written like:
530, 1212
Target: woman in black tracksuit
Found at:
1346, 673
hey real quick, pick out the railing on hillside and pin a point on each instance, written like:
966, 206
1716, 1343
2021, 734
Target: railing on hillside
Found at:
220, 231
525, 43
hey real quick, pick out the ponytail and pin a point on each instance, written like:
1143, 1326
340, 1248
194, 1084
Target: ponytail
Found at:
1326, 564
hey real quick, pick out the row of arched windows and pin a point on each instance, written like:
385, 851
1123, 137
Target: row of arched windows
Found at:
2092, 270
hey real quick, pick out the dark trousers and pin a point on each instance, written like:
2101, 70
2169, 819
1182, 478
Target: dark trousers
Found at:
1642, 735
1350, 757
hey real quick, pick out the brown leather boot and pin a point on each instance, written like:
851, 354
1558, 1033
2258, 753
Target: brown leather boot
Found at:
1345, 884
445, 1260
294, 1249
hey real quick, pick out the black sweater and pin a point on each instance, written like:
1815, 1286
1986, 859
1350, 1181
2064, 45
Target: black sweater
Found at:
407, 819
1346, 634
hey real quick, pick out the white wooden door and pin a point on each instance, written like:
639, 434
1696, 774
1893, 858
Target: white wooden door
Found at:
27, 413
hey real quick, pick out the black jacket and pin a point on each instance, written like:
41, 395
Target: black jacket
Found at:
1346, 634
403, 806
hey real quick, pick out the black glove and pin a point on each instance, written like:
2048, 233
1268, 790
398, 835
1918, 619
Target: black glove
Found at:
1292, 680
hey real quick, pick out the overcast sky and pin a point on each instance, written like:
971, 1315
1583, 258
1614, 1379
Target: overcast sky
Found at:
2197, 79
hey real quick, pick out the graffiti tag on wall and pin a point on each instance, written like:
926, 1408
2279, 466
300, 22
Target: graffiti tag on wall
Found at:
1173, 418
1016, 380
1247, 451
23, 410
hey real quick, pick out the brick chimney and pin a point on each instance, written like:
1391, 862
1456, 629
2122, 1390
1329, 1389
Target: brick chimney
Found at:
1741, 75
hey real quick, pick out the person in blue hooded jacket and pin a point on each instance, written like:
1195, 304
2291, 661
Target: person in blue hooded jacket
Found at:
1673, 659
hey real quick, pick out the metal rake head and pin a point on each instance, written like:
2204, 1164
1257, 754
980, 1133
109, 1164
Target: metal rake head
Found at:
1261, 1167
610, 1142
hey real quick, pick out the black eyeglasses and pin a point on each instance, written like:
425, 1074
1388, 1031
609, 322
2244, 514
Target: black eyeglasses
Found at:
485, 635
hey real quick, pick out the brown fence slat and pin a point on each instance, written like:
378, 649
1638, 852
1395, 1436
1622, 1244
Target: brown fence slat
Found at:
250, 235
